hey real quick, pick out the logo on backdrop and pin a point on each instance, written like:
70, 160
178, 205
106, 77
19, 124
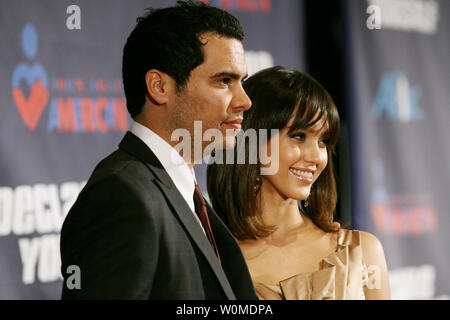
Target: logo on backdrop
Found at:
74, 104
400, 213
35, 214
397, 99
242, 5
35, 77
405, 15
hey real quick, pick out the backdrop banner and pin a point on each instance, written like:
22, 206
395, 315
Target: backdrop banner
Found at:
398, 61
63, 109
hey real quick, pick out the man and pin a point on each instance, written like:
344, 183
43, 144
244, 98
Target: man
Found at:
138, 229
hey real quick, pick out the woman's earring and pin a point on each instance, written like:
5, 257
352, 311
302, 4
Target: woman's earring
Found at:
306, 203
257, 185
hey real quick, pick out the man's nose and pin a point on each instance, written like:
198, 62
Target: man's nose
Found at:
241, 100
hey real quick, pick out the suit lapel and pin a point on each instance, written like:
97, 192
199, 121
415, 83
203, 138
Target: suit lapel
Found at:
133, 145
232, 258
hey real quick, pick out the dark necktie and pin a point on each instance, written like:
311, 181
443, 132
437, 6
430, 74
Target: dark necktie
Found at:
202, 213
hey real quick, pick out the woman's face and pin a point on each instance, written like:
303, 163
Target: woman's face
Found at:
302, 158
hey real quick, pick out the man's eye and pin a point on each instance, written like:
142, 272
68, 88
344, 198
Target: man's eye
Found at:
225, 80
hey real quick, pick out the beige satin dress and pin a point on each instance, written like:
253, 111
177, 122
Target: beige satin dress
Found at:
342, 276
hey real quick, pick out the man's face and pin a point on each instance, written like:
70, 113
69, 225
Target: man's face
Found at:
214, 94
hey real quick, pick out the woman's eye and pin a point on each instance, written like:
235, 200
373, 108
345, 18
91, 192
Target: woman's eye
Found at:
325, 142
299, 136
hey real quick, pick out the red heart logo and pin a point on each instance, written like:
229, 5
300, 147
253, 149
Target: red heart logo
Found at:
31, 109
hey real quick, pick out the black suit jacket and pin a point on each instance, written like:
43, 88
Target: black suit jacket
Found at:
133, 236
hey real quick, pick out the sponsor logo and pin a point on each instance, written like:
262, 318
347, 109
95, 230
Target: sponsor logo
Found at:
74, 104
397, 99
398, 213
406, 15
242, 5
415, 283
35, 214
35, 78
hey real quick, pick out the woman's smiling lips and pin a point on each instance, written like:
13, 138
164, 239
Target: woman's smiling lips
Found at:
303, 174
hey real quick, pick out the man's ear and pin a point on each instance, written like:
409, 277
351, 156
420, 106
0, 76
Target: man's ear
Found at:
159, 86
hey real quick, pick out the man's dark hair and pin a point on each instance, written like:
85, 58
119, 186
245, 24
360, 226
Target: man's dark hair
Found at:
168, 40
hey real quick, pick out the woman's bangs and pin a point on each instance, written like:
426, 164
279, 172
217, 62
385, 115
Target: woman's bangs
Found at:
306, 115
313, 110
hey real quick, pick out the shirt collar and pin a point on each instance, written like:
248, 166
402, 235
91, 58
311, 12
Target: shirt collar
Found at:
182, 176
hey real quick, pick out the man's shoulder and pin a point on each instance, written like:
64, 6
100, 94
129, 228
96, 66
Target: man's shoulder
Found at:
118, 181
121, 165
120, 173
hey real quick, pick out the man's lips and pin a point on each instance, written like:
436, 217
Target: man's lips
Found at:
235, 124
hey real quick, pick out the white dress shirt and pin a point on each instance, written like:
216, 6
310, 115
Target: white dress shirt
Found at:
182, 176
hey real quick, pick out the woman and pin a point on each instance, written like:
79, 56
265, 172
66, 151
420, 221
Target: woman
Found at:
295, 252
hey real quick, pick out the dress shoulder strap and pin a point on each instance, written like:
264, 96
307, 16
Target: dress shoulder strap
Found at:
347, 237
